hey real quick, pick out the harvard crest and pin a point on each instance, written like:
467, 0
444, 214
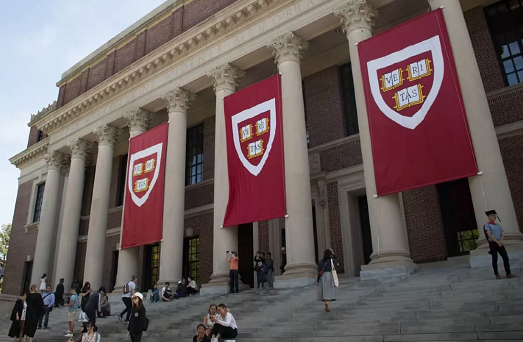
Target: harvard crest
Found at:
253, 135
144, 168
405, 83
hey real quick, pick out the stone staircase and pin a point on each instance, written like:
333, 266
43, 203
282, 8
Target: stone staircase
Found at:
437, 304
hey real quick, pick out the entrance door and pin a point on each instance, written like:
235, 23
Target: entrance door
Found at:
366, 236
28, 271
191, 257
246, 254
459, 220
114, 269
151, 267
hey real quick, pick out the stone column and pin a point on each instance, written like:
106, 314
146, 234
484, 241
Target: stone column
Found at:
72, 210
301, 266
47, 223
128, 264
490, 190
171, 251
225, 79
94, 257
391, 254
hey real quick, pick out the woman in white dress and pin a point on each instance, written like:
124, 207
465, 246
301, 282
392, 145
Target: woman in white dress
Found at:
43, 284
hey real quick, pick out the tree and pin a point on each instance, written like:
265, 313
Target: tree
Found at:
5, 234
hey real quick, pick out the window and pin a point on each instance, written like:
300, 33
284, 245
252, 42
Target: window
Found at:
191, 258
39, 198
40, 136
350, 112
194, 163
505, 20
122, 175
152, 265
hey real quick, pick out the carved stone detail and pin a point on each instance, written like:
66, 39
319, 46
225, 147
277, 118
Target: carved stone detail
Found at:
79, 148
314, 163
356, 14
225, 77
54, 160
288, 47
138, 119
178, 100
107, 134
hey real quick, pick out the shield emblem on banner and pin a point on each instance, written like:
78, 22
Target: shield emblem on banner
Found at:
405, 83
144, 168
253, 133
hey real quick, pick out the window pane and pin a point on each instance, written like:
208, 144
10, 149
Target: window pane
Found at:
514, 48
194, 150
508, 65
512, 79
505, 52
518, 62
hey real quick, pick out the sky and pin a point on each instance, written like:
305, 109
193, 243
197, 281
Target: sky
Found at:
42, 39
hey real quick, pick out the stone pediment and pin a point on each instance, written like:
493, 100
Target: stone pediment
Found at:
30, 154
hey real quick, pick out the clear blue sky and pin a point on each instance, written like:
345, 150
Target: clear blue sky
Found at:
39, 41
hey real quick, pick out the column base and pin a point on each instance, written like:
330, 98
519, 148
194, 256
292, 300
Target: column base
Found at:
480, 257
391, 264
297, 275
219, 284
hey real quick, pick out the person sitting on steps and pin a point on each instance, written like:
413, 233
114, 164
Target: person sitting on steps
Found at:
155, 294
200, 334
224, 325
167, 293
207, 319
191, 286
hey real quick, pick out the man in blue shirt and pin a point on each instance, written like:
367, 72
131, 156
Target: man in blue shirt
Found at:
48, 298
494, 234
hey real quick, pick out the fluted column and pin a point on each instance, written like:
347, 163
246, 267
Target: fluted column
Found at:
128, 264
94, 257
225, 79
389, 235
490, 190
72, 210
54, 161
171, 251
301, 266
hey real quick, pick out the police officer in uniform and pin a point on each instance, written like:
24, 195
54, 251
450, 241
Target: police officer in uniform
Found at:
494, 234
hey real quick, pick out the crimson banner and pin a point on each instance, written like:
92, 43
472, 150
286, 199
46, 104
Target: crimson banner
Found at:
253, 124
143, 211
418, 127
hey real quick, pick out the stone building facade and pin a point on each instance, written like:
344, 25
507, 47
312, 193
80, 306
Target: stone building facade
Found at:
178, 62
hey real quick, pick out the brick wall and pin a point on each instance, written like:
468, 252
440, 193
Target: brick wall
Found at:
513, 160
199, 195
486, 56
324, 106
424, 224
33, 136
341, 156
114, 219
144, 43
202, 226
263, 235
110, 247
209, 126
506, 109
335, 223
22, 244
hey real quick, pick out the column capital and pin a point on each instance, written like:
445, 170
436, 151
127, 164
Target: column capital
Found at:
54, 160
79, 148
138, 119
225, 76
178, 100
288, 47
66, 167
107, 134
356, 14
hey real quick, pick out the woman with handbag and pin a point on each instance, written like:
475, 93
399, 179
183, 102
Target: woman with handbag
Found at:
138, 321
327, 278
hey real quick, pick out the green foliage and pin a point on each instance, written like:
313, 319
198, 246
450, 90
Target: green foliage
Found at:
5, 234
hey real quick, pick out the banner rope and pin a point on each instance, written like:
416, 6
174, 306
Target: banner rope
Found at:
378, 205
483, 190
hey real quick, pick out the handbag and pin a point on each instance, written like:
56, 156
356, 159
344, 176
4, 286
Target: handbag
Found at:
320, 273
335, 275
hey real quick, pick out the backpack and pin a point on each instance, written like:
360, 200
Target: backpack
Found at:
145, 324
126, 288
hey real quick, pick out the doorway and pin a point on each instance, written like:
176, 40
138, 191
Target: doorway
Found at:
458, 216
152, 266
28, 271
246, 254
114, 269
366, 236
191, 258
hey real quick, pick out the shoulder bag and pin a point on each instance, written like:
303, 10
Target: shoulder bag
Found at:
335, 275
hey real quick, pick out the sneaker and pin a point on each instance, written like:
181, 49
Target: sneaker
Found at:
214, 339
498, 276
67, 332
510, 276
120, 317
68, 335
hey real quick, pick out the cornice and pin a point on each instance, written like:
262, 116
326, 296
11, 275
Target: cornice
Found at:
43, 112
179, 49
31, 154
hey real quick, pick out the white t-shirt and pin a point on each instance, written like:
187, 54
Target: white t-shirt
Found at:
192, 284
132, 287
228, 321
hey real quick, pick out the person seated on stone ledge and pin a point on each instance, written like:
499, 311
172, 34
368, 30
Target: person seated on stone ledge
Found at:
224, 325
155, 294
167, 293
191, 286
182, 290
105, 308
200, 334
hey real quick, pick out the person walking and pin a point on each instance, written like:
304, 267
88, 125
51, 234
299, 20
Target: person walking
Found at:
59, 294
283, 259
72, 311
43, 283
94, 304
49, 300
225, 326
35, 307
138, 321
84, 298
232, 259
128, 291
18, 319
325, 281
494, 234
269, 266
259, 267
